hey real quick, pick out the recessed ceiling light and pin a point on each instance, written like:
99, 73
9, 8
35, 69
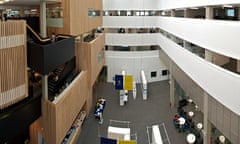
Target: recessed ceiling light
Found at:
228, 6
194, 8
163, 13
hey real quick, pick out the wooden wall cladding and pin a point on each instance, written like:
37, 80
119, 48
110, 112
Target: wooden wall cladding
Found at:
55, 30
13, 62
82, 55
97, 57
88, 55
76, 19
59, 115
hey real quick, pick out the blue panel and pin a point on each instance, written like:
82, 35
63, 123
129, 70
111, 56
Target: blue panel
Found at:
108, 141
119, 82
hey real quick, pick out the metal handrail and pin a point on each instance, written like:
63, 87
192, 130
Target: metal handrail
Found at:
42, 40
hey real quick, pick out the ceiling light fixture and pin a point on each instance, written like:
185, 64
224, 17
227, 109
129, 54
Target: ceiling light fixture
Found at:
228, 6
6, 0
1, 2
194, 8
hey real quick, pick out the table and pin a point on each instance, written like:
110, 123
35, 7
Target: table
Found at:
196, 108
119, 133
199, 126
181, 121
221, 139
190, 100
191, 138
191, 114
156, 135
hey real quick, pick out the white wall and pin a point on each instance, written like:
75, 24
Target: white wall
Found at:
160, 4
131, 4
133, 63
131, 39
219, 83
130, 21
172, 4
215, 35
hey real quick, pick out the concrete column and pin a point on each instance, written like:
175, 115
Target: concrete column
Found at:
187, 13
238, 66
172, 87
205, 130
209, 132
133, 48
238, 13
43, 31
45, 87
43, 19
187, 45
173, 14
209, 13
208, 55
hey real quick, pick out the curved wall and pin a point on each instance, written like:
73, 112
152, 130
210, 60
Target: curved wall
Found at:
172, 4
215, 35
161, 4
131, 39
130, 21
219, 83
131, 5
133, 62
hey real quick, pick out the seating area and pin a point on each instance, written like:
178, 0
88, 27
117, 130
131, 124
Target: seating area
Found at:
184, 122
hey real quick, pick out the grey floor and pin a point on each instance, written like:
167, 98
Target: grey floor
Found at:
140, 113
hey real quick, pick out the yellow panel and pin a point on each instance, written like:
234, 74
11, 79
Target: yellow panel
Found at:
127, 142
128, 82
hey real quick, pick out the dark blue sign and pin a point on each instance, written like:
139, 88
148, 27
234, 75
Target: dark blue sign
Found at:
119, 82
108, 141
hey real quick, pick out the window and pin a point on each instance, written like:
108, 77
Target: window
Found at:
230, 13
164, 72
153, 74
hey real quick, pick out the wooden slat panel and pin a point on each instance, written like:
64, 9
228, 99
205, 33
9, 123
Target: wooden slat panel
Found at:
76, 20
13, 62
59, 117
82, 55
96, 66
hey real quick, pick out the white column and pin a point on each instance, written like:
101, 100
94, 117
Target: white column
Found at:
209, 132
187, 13
43, 17
238, 13
209, 12
43, 31
238, 66
172, 91
208, 55
209, 15
45, 87
173, 14
205, 119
